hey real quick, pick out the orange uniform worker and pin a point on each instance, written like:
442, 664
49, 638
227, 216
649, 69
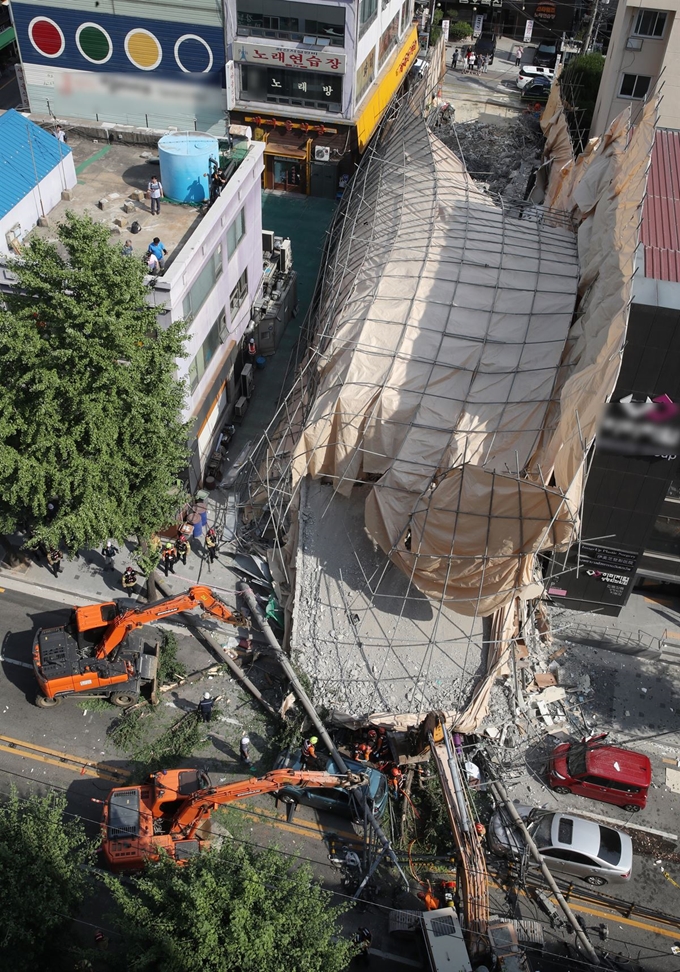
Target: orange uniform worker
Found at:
431, 902
395, 782
308, 751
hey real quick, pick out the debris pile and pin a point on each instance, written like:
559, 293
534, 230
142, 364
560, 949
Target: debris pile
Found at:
502, 158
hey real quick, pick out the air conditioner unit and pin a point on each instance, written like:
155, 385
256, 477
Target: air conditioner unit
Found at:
267, 241
241, 407
247, 381
322, 153
634, 44
286, 257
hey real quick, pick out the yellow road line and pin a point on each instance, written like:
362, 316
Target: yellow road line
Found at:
18, 747
83, 771
313, 827
672, 634
611, 914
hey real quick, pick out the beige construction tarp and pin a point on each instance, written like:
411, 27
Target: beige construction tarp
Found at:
448, 371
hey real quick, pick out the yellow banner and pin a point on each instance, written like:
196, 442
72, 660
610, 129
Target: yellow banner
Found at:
397, 69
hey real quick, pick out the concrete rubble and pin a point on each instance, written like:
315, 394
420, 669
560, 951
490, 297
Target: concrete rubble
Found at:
501, 157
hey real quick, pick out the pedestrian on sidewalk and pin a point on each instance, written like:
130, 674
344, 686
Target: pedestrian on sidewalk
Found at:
211, 543
485, 63
205, 707
128, 249
244, 749
182, 550
129, 580
480, 63
362, 939
454, 59
518, 56
54, 558
108, 553
168, 558
155, 194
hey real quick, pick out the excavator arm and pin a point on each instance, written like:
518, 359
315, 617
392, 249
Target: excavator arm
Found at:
201, 804
195, 597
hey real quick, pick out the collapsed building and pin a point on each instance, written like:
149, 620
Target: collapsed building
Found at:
435, 443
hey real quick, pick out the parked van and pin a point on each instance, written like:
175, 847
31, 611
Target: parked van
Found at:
609, 774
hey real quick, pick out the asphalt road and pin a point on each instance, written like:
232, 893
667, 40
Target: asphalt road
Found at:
34, 742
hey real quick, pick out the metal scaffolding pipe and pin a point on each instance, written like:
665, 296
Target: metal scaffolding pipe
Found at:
306, 703
457, 786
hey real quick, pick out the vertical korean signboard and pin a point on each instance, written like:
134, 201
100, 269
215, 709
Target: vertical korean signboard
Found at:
528, 31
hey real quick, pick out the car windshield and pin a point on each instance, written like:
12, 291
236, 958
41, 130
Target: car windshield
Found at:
547, 49
542, 829
576, 760
610, 845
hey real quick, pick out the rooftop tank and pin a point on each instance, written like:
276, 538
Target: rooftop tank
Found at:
185, 164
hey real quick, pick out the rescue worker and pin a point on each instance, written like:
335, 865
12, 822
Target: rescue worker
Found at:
362, 752
362, 939
211, 543
449, 893
205, 707
168, 557
395, 782
308, 751
430, 901
244, 749
108, 553
54, 558
129, 580
182, 550
383, 744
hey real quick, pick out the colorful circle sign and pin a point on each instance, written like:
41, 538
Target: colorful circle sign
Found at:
197, 57
46, 36
94, 43
143, 49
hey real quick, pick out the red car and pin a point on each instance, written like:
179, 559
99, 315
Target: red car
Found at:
605, 773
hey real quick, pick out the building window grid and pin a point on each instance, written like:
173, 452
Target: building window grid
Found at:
206, 352
236, 232
238, 294
650, 23
368, 11
202, 286
634, 86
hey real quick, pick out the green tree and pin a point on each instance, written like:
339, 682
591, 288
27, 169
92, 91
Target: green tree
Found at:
90, 409
43, 880
229, 910
459, 30
579, 84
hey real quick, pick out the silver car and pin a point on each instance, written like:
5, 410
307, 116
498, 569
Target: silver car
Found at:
571, 845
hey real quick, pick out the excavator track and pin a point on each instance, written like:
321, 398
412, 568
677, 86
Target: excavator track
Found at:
77, 764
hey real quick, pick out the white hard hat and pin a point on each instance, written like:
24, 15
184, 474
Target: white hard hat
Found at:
245, 740
206, 695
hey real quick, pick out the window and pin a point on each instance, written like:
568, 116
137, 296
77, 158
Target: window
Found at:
368, 11
610, 845
365, 76
634, 86
206, 352
203, 284
238, 294
236, 232
388, 39
650, 23
263, 18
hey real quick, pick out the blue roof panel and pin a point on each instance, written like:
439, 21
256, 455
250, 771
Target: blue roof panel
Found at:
27, 154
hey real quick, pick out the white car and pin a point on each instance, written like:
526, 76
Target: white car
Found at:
529, 72
571, 845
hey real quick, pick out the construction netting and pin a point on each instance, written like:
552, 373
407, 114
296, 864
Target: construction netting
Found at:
442, 325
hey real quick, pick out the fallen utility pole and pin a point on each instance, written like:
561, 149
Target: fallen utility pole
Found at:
501, 795
218, 651
306, 703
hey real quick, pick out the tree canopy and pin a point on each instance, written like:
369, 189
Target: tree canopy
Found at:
232, 909
459, 30
90, 407
579, 84
43, 879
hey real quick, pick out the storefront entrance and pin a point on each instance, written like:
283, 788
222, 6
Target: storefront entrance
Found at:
289, 174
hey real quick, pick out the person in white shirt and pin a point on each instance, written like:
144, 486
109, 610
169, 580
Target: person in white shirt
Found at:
155, 190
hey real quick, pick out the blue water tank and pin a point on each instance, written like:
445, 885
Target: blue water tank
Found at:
185, 164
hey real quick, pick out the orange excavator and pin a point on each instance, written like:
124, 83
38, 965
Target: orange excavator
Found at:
166, 813
100, 653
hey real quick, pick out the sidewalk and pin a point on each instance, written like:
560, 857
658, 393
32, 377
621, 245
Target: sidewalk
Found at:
491, 98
